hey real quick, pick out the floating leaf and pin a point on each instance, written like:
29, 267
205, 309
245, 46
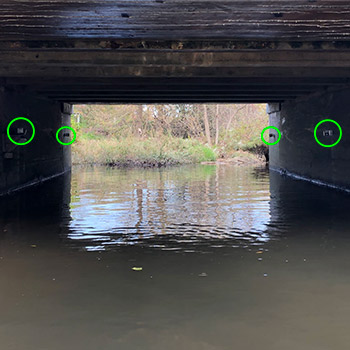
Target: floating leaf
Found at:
135, 268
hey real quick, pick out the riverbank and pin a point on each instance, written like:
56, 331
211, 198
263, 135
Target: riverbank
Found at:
155, 152
240, 158
162, 135
150, 152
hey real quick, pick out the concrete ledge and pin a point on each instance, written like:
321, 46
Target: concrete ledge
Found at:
32, 183
273, 108
285, 172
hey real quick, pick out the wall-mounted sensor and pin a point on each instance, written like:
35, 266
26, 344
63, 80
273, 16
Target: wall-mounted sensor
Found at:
8, 155
328, 133
276, 138
65, 134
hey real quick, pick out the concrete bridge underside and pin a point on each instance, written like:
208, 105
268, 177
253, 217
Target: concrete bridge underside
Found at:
295, 55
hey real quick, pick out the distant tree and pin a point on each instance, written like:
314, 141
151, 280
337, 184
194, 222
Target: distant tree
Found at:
206, 124
217, 125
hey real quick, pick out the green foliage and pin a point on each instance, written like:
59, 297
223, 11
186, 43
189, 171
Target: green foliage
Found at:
244, 135
135, 151
204, 153
90, 136
163, 134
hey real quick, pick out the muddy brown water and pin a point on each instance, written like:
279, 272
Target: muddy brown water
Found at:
231, 257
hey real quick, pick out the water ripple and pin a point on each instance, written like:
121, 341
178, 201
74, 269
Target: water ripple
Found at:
197, 208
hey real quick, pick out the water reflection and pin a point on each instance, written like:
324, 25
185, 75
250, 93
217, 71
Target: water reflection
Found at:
276, 276
188, 208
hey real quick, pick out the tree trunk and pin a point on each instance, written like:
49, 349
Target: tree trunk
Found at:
138, 120
206, 124
231, 117
217, 125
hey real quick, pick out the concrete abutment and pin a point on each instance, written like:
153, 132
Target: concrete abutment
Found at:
41, 159
298, 153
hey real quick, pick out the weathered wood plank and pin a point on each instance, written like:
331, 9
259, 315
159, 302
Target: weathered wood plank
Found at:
316, 20
129, 82
173, 72
185, 60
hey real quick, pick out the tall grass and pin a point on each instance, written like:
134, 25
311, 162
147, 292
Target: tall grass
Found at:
158, 135
136, 151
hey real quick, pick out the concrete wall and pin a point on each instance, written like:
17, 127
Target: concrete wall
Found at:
298, 153
43, 157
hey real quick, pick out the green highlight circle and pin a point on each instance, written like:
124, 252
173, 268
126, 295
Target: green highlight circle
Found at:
8, 131
325, 121
270, 143
66, 143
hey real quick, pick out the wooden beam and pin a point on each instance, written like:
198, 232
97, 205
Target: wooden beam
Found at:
210, 59
128, 82
244, 19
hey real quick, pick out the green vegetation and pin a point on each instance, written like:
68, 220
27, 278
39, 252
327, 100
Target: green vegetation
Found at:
148, 152
157, 135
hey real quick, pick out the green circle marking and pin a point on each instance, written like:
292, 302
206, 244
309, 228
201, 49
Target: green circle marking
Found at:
330, 121
19, 143
66, 143
270, 143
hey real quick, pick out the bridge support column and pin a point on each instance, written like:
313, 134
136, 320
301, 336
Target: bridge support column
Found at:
298, 153
43, 157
